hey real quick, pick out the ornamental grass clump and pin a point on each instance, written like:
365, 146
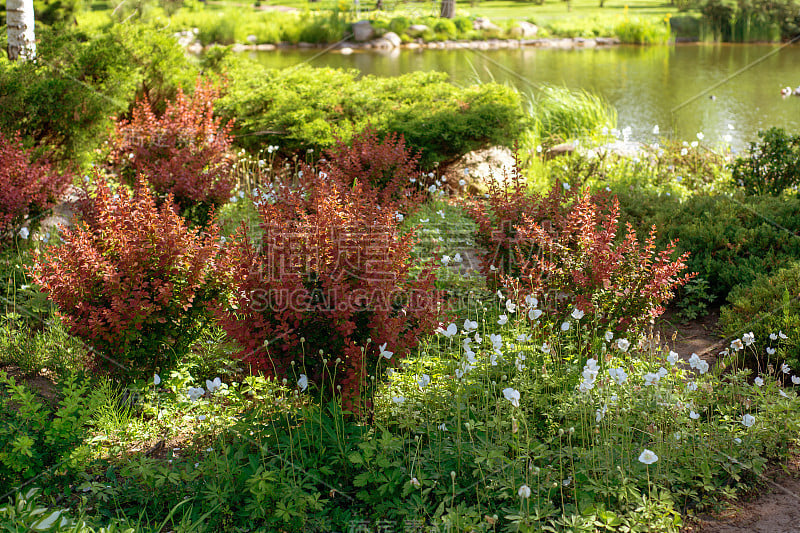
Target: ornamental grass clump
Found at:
327, 293
132, 281
28, 188
184, 152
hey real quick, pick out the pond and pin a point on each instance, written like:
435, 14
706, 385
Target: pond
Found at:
648, 86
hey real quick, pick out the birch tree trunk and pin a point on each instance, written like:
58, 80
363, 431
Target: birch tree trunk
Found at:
21, 38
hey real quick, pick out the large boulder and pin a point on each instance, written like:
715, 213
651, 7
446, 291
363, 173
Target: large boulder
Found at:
417, 29
484, 24
393, 38
363, 31
524, 30
478, 167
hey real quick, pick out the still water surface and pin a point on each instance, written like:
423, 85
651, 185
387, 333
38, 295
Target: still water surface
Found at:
648, 86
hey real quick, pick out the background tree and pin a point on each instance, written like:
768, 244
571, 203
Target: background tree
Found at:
448, 9
21, 37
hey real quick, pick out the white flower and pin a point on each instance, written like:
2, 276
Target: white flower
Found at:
566, 186
492, 268
694, 360
783, 394
424, 380
414, 481
656, 130
201, 417
623, 344
730, 127
497, 341
156, 379
609, 336
442, 427
457, 258
577, 314
737, 345
770, 351
511, 307
647, 457
195, 393
585, 386
693, 415
524, 491
758, 382
737, 440
694, 144
662, 371
684, 151
398, 399
502, 320
672, 358
534, 314
564, 326
213, 385
432, 189
440, 212
499, 294
530, 301
748, 420
445, 260
700, 136
470, 325
451, 330
785, 368
748, 338
399, 216
600, 413
302, 382
651, 378
384, 352
522, 337
796, 380
691, 386
512, 395
24, 232
461, 183
619, 375
782, 335
773, 336
545, 348
702, 367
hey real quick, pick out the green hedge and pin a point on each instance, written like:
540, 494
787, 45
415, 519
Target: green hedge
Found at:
307, 107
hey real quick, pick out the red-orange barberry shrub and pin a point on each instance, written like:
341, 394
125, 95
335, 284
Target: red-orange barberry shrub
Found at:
497, 216
132, 281
328, 285
26, 188
185, 152
583, 263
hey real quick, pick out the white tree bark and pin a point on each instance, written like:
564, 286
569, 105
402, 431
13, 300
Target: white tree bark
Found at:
21, 37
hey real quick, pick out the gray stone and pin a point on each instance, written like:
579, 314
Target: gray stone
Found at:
363, 31
252, 38
393, 38
417, 29
484, 24
559, 150
493, 163
524, 30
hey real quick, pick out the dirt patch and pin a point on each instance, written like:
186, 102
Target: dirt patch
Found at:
40, 384
696, 336
774, 508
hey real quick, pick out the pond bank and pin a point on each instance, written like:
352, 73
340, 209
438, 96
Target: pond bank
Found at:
345, 47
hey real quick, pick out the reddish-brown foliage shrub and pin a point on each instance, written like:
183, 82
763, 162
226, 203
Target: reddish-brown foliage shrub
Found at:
581, 263
385, 166
327, 287
132, 281
498, 215
26, 188
184, 152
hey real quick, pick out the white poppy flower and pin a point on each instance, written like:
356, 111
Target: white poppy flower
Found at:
691, 386
530, 301
564, 326
470, 325
457, 258
672, 358
302, 382
545, 348
785, 368
213, 385
748, 420
693, 415
502, 320
796, 380
773, 336
24, 233
623, 344
534, 314
748, 338
511, 307
398, 399
609, 336
702, 367
694, 360
618, 375
524, 492
445, 260
451, 330
737, 345
770, 351
442, 427
577, 314
156, 379
424, 380
758, 382
648, 457
651, 378
512, 395
782, 335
